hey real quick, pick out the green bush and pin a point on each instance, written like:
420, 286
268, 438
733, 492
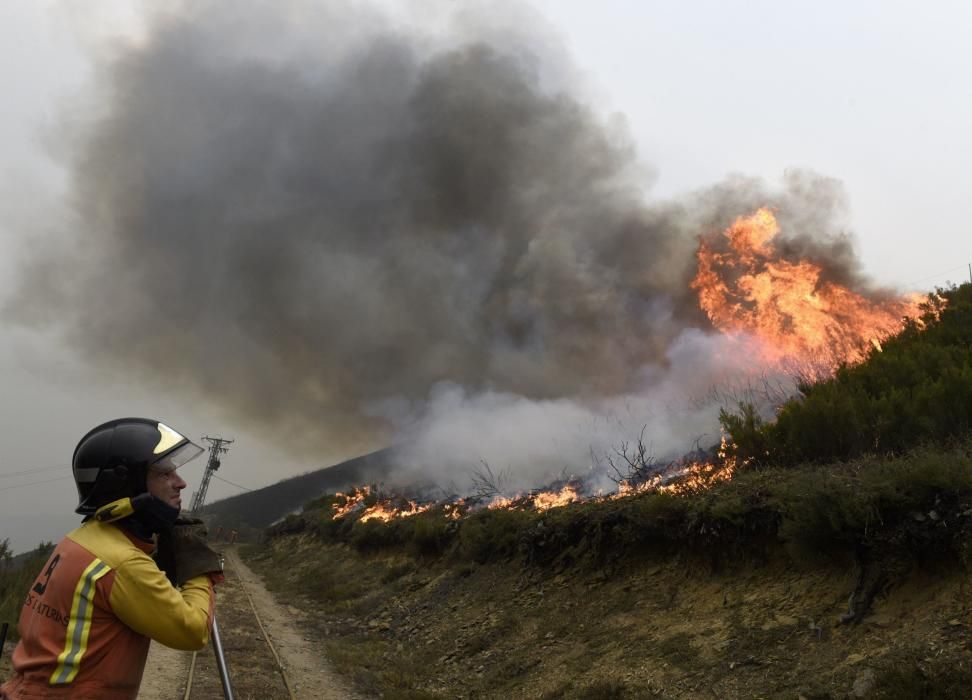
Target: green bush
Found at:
16, 576
493, 535
823, 513
375, 535
913, 504
324, 503
323, 525
431, 534
748, 432
917, 388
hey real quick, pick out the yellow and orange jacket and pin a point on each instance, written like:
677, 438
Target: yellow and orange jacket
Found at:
88, 618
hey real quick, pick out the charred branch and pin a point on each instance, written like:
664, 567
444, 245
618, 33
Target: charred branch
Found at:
487, 484
632, 464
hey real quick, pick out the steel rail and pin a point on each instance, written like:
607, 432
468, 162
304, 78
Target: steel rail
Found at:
192, 668
232, 556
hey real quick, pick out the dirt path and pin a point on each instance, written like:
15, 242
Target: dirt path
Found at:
165, 673
252, 666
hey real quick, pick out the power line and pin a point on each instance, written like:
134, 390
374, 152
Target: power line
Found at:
227, 481
31, 471
217, 446
944, 272
35, 483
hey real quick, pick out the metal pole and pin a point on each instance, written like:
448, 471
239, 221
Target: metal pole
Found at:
221, 662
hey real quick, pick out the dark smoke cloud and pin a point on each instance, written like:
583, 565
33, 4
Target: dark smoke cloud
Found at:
318, 216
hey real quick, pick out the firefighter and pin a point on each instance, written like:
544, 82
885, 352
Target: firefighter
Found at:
88, 617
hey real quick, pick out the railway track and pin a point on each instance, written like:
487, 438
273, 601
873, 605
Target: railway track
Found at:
254, 663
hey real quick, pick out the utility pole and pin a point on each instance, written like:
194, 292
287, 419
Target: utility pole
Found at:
217, 446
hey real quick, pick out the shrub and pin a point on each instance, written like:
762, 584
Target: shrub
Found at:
375, 535
431, 534
747, 431
823, 513
917, 388
16, 576
327, 528
493, 535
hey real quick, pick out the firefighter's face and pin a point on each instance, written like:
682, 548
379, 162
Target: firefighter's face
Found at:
166, 486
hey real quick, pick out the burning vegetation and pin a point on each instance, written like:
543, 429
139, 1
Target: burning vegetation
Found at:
367, 504
639, 475
797, 321
798, 317
685, 476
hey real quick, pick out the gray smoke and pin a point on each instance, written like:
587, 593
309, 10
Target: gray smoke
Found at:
338, 224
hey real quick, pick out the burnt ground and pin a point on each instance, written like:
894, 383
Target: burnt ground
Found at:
398, 628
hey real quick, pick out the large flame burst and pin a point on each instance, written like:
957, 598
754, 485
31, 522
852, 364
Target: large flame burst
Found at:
796, 314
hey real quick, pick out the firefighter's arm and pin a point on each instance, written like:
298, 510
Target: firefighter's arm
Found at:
143, 599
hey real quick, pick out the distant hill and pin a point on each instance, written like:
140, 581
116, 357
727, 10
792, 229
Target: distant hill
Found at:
259, 508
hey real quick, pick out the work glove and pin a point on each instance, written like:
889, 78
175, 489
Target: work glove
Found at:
183, 553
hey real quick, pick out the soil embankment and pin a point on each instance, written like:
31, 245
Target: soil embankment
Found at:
672, 628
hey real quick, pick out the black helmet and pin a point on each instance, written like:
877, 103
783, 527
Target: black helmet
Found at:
112, 460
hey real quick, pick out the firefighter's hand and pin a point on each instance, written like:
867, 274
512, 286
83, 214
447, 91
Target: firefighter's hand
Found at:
184, 554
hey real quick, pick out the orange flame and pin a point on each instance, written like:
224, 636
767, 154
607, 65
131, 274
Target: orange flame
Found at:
351, 501
546, 500
683, 479
798, 316
386, 511
453, 511
540, 500
501, 502
678, 479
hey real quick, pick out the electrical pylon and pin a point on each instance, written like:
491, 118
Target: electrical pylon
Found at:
217, 446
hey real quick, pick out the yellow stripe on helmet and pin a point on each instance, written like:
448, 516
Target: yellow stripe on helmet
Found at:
167, 438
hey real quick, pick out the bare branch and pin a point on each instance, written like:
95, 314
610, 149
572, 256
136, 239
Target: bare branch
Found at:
632, 465
487, 484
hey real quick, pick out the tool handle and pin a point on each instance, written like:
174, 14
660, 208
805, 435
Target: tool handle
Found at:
221, 662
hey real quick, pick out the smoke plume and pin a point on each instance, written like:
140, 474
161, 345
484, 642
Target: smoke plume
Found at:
352, 231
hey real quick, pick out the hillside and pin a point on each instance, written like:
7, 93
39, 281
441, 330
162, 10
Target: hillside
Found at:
835, 577
776, 584
261, 507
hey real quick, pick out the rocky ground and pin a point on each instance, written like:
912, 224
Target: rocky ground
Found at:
668, 629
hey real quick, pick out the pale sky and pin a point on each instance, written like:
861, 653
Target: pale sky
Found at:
874, 94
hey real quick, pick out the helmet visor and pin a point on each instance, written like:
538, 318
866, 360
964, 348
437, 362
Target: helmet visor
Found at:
177, 457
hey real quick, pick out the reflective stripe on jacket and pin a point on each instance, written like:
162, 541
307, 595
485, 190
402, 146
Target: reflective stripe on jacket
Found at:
88, 618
